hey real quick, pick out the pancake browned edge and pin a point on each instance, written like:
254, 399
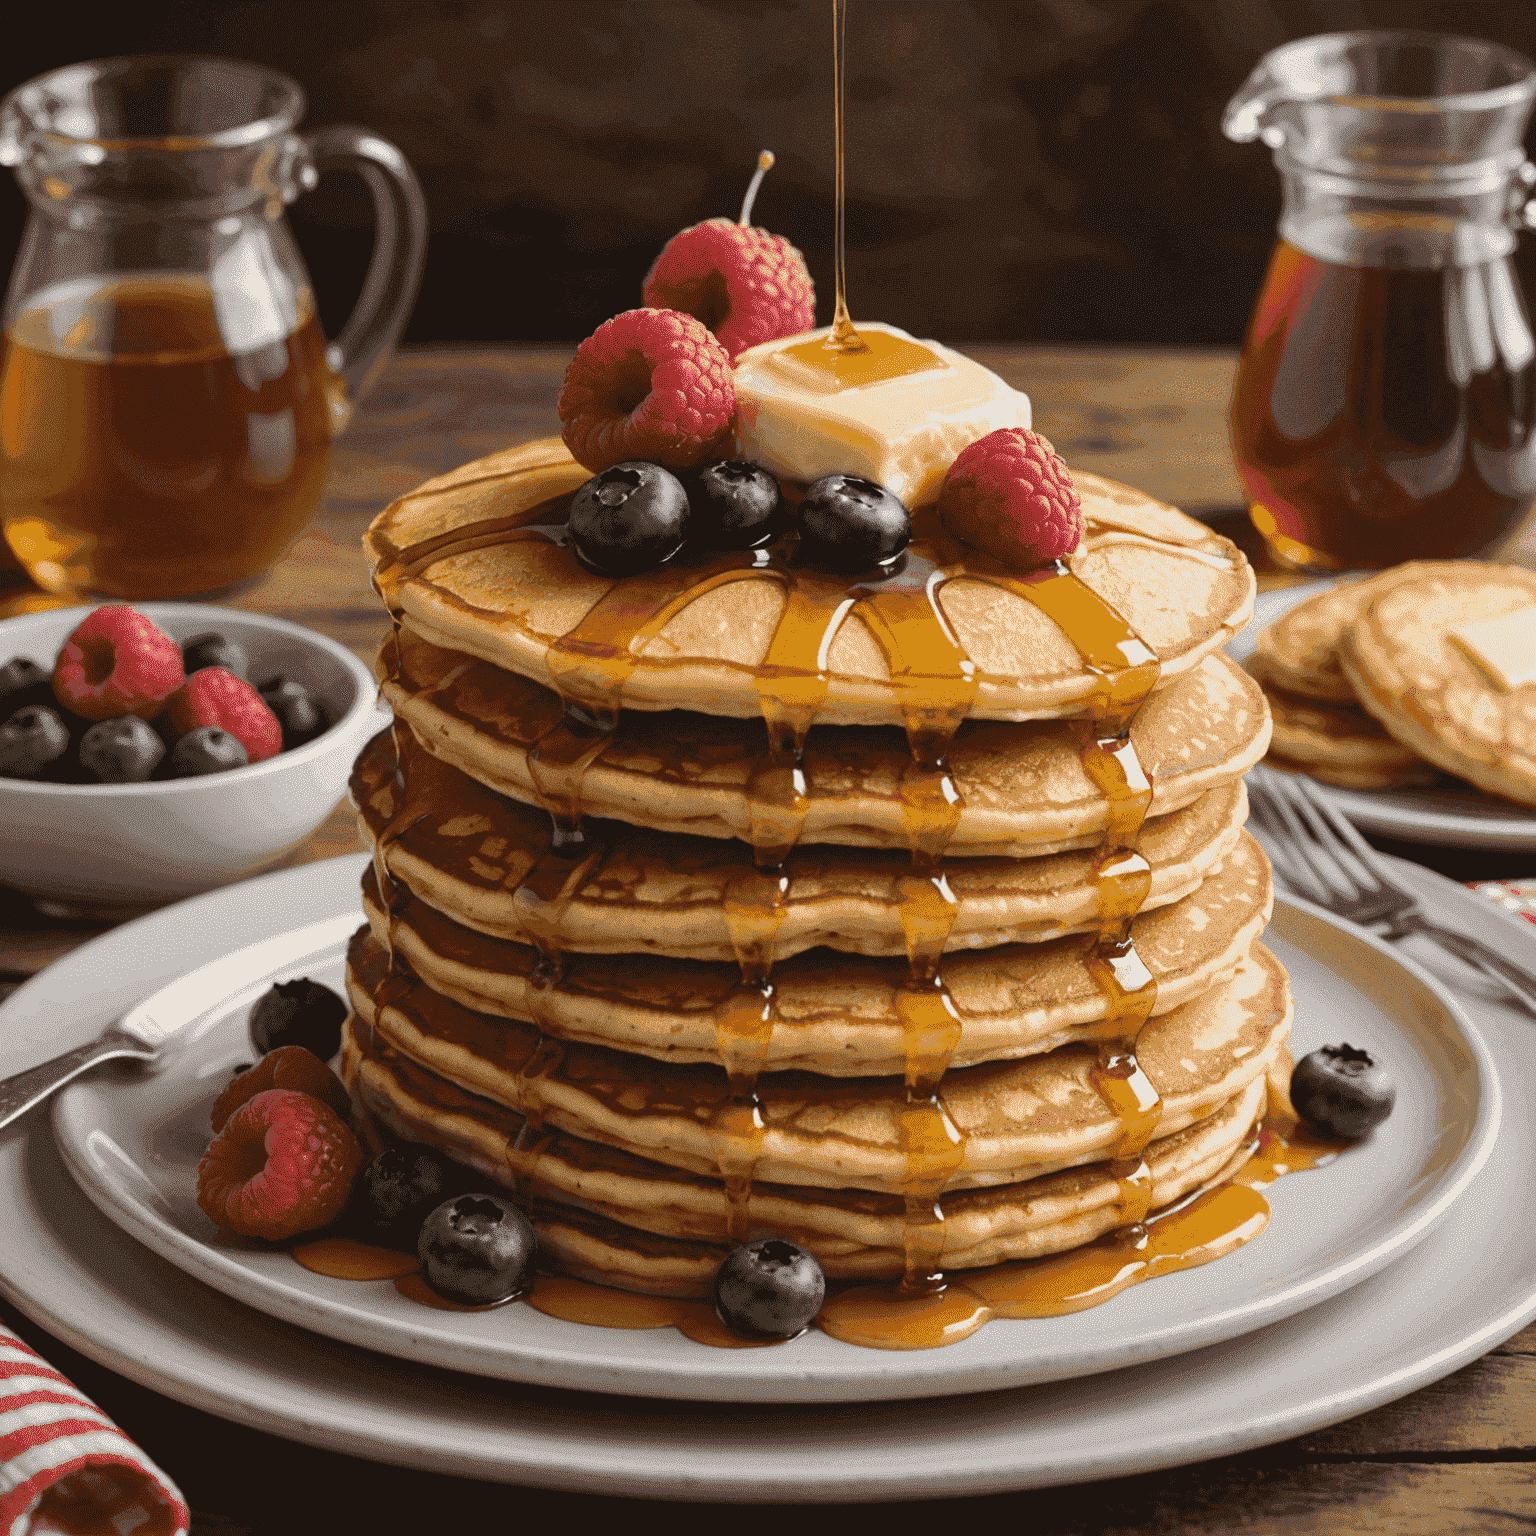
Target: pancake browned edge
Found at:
577, 1192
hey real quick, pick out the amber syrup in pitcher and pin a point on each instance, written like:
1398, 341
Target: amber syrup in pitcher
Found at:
1384, 414
147, 450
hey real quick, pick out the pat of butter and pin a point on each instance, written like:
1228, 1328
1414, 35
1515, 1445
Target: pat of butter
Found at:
898, 414
1504, 648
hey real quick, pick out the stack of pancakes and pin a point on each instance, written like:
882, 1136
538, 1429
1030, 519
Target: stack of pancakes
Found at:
738, 898
1369, 688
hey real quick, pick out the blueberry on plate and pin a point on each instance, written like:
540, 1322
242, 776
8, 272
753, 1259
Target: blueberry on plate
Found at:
211, 649
398, 1190
298, 1012
125, 750
477, 1250
733, 504
1341, 1091
851, 524
31, 741
770, 1289
629, 518
206, 750
23, 682
298, 711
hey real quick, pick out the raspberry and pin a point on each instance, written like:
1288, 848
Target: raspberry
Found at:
290, 1067
283, 1164
745, 284
1010, 494
219, 698
117, 663
648, 384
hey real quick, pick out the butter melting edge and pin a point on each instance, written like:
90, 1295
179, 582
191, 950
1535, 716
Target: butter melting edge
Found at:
902, 431
1503, 648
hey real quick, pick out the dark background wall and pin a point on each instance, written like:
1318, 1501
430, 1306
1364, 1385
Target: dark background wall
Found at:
1047, 170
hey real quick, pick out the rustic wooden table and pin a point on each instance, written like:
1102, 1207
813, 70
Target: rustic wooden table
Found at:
1456, 1456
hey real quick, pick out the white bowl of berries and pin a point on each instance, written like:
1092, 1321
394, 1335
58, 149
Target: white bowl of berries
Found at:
152, 752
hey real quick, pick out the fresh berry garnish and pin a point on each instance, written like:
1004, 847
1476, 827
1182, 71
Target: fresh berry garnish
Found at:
31, 741
1341, 1091
216, 697
301, 715
290, 1067
398, 1190
117, 663
1011, 495
213, 650
283, 1164
121, 751
851, 523
648, 384
476, 1249
733, 504
770, 1289
23, 682
629, 518
205, 750
298, 1012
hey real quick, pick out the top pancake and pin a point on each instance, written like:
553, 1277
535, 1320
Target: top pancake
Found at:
1181, 588
1405, 669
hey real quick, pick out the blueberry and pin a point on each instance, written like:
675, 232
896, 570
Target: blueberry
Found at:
397, 1192
298, 711
23, 682
769, 1289
1341, 1091
851, 523
733, 504
298, 1012
629, 518
477, 1249
30, 741
212, 649
121, 751
206, 750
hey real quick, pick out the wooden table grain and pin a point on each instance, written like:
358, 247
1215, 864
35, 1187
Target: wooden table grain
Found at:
1457, 1456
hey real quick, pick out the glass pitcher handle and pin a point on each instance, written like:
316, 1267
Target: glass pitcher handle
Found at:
399, 248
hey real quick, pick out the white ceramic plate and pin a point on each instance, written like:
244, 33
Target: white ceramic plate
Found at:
1459, 818
1468, 1287
134, 1145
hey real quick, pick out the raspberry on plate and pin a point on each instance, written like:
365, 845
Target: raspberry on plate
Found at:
283, 1164
291, 1067
219, 698
117, 662
649, 384
1010, 494
745, 284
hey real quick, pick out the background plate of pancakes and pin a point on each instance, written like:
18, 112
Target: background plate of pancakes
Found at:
1381, 783
134, 1146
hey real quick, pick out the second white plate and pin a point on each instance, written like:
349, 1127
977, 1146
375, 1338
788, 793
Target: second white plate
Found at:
134, 1145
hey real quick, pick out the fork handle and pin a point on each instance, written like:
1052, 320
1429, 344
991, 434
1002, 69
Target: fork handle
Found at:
18, 1094
1516, 979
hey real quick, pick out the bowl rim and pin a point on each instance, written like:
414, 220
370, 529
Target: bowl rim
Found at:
364, 702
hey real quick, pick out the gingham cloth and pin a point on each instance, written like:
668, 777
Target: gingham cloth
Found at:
65, 1467
1517, 896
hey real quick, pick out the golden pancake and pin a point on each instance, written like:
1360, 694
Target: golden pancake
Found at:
1299, 652
469, 852
1024, 786
1406, 669
836, 1013
609, 1216
696, 638
1016, 1119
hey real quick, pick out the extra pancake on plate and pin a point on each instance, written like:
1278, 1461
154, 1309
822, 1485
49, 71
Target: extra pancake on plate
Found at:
468, 852
1024, 786
1299, 652
518, 602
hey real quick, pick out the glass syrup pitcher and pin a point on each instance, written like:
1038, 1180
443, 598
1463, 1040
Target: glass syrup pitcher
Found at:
1385, 398
167, 402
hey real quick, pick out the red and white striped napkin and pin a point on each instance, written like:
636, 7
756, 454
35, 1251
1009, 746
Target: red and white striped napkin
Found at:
1517, 896
65, 1467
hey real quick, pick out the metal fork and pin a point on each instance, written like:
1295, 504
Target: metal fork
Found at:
1319, 855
